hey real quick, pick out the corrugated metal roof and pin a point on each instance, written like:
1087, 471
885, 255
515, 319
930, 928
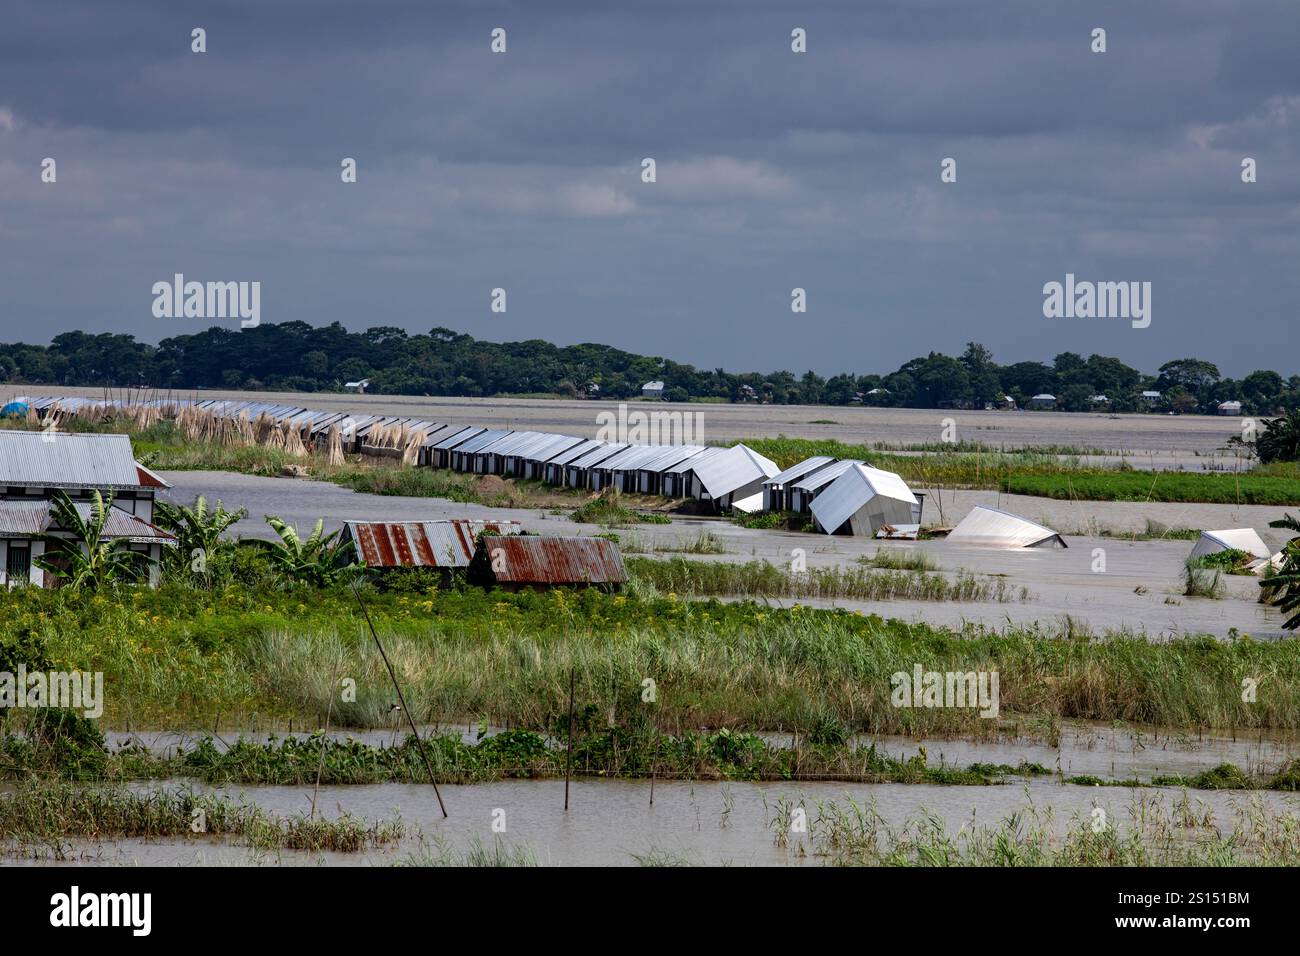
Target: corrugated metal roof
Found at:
1238, 539
438, 432
454, 439
528, 559
538, 443
24, 517
989, 527
482, 441
584, 447
853, 489
555, 446
825, 475
631, 457
668, 456
509, 443
734, 468
124, 526
421, 544
687, 464
597, 455
69, 461
800, 470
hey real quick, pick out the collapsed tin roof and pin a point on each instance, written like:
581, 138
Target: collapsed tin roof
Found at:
421, 544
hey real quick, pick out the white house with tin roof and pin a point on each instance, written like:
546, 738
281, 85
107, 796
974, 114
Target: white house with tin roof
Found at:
34, 466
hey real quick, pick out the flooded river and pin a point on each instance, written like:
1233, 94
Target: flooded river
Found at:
612, 823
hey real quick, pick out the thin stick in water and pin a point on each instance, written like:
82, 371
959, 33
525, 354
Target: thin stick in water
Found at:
392, 675
568, 755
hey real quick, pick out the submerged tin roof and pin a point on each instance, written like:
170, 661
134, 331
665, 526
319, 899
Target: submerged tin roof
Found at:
421, 544
528, 559
990, 527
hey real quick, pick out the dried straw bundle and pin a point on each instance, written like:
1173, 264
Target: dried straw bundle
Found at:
334, 446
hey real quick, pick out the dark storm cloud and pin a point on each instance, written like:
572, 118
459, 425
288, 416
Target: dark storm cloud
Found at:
775, 171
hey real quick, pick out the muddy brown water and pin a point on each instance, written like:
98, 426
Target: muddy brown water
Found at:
611, 822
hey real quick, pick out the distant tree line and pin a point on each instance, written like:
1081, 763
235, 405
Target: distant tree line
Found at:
295, 356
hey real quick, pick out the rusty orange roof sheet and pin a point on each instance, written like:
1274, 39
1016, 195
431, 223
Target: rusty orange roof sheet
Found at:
528, 559
421, 544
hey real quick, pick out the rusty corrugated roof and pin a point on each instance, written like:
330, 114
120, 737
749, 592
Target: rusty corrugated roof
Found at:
528, 559
421, 544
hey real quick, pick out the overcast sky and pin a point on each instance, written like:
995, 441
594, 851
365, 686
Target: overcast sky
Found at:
776, 170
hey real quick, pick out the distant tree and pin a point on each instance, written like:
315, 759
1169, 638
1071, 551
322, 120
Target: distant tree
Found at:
977, 359
1074, 398
1067, 362
1029, 378
938, 379
1195, 376
1180, 400
1263, 389
839, 389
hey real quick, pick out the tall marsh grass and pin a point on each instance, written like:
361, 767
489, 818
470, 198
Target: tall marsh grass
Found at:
759, 579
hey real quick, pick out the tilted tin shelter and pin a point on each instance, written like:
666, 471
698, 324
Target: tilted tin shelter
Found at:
865, 501
990, 528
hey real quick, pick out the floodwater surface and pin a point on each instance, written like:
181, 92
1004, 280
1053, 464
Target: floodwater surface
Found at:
612, 823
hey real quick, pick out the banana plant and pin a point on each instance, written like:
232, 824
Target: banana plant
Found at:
320, 559
1280, 439
198, 532
1282, 589
85, 560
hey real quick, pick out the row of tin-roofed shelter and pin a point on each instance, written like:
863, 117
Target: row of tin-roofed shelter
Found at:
842, 495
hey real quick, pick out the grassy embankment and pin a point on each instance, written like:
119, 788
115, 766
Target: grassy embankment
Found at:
261, 659
39, 815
